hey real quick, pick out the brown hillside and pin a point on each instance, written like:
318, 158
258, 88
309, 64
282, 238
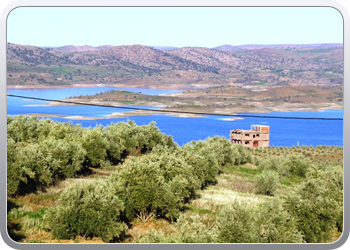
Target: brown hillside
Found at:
223, 61
261, 68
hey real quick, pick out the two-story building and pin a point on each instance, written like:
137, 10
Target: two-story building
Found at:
257, 136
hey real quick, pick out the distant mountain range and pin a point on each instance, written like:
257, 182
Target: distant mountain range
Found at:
278, 46
162, 66
226, 47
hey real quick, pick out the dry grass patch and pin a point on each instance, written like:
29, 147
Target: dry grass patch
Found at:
41, 236
139, 227
62, 185
38, 200
250, 166
102, 173
215, 197
236, 183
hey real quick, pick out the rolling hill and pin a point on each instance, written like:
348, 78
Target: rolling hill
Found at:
251, 66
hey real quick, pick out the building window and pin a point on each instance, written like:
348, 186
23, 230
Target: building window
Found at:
247, 142
246, 134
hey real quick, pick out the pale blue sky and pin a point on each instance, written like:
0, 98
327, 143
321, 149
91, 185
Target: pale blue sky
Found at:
173, 26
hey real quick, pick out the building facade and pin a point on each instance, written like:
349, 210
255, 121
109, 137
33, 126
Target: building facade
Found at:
257, 136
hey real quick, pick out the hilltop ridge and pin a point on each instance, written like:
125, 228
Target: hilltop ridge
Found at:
254, 66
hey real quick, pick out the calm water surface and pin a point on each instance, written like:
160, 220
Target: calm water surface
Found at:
284, 132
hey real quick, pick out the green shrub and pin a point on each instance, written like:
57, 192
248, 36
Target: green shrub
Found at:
29, 168
21, 128
243, 156
41, 151
318, 204
95, 145
297, 165
156, 184
203, 161
206, 157
276, 225
210, 161
274, 163
88, 210
15, 173
267, 182
270, 223
235, 224
115, 143
160, 183
136, 138
69, 154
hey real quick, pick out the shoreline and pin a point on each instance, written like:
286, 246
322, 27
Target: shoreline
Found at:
260, 111
175, 111
121, 85
234, 117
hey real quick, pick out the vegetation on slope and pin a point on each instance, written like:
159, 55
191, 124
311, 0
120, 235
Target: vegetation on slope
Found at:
145, 188
226, 99
143, 65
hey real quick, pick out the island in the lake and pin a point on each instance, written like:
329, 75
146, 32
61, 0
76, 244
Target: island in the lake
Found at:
221, 80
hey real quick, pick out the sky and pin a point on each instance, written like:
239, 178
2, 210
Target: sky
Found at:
173, 26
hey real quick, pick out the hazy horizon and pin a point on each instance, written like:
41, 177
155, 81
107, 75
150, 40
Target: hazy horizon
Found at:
173, 26
170, 46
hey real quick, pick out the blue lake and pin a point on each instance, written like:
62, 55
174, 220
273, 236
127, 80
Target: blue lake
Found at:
284, 132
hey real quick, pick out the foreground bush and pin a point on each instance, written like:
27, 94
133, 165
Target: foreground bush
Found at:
41, 151
236, 223
155, 185
268, 224
88, 210
318, 204
28, 168
162, 182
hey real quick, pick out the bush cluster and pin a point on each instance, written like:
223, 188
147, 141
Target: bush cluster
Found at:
40, 151
270, 223
296, 165
276, 168
157, 184
236, 223
162, 182
88, 210
318, 204
311, 214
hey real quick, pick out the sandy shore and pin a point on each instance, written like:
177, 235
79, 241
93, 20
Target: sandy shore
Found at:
284, 108
119, 115
78, 117
232, 119
184, 115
